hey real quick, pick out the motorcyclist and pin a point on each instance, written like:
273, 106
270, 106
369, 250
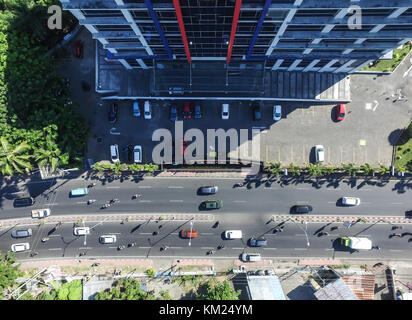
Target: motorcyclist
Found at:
137, 195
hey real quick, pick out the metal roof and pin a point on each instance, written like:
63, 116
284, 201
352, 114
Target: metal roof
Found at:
336, 290
265, 288
362, 285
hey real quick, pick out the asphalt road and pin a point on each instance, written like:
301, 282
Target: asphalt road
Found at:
178, 195
291, 242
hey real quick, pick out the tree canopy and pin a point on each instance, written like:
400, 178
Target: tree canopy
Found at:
211, 290
9, 272
125, 289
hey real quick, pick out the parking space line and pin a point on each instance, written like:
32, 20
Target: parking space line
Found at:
291, 153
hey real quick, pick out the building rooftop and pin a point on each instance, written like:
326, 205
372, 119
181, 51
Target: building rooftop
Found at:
265, 288
336, 290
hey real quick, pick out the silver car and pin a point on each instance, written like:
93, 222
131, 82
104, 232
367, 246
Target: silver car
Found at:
18, 247
251, 257
22, 233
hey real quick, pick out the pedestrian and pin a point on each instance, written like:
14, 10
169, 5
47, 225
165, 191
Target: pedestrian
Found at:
160, 227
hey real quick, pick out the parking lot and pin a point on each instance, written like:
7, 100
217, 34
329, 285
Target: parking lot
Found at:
362, 137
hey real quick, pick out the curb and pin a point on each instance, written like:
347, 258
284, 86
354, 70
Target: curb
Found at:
117, 217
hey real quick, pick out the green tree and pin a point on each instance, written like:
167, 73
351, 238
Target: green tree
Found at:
367, 169
350, 169
125, 289
294, 170
314, 170
217, 291
9, 272
274, 168
409, 130
46, 157
383, 169
14, 158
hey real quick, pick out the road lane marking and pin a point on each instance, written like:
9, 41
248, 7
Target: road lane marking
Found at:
331, 201
112, 247
395, 250
144, 187
175, 200
53, 204
145, 201
55, 235
113, 187
397, 203
144, 247
54, 249
238, 248
239, 200
175, 247
146, 233
302, 188
329, 249
175, 187
300, 249
207, 247
207, 234
86, 248
269, 248
81, 202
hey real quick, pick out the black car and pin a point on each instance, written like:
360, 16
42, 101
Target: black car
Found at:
126, 154
23, 202
301, 208
208, 190
257, 115
260, 242
112, 113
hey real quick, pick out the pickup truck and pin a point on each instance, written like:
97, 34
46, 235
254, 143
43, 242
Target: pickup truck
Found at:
40, 213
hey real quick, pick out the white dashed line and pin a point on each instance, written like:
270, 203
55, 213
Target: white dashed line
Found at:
145, 233
175, 187
175, 200
397, 203
86, 248
144, 187
207, 248
113, 187
112, 247
329, 249
238, 248
54, 249
55, 235
175, 247
239, 200
207, 234
269, 248
395, 250
301, 249
331, 201
81, 202
145, 201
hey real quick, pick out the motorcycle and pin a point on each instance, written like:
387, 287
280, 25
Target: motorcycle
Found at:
210, 252
135, 196
91, 185
131, 244
91, 201
216, 224
238, 185
44, 239
121, 247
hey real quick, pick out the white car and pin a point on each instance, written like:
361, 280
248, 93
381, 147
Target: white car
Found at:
225, 111
233, 234
114, 153
18, 247
137, 151
350, 201
110, 238
81, 231
319, 153
277, 113
147, 110
251, 257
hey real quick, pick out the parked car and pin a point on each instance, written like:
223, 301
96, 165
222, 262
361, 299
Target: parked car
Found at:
187, 112
126, 154
225, 111
257, 115
186, 234
111, 238
340, 112
81, 231
208, 190
259, 242
137, 152
23, 202
251, 257
301, 208
233, 234
22, 233
212, 204
350, 201
114, 153
79, 192
176, 90
277, 112
78, 49
18, 247
319, 153
147, 110
173, 113
136, 109
198, 111
112, 113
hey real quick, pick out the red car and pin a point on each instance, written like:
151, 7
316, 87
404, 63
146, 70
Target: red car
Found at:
185, 143
186, 234
340, 112
187, 112
78, 49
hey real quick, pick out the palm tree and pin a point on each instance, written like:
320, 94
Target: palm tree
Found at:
383, 169
314, 170
274, 168
48, 157
367, 169
294, 170
14, 158
350, 169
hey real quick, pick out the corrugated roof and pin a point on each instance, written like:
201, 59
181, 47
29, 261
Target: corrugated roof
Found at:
336, 290
265, 288
363, 286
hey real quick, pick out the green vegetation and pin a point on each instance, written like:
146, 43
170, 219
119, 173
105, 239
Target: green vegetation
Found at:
9, 272
63, 291
39, 124
340, 266
403, 151
390, 65
211, 290
117, 168
150, 273
125, 289
274, 168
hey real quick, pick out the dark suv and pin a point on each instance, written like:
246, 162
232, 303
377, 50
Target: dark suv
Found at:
112, 113
301, 208
23, 202
208, 190
257, 115
260, 242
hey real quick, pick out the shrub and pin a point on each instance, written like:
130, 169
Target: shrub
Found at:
150, 272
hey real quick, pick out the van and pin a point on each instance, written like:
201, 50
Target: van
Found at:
233, 234
137, 151
319, 153
147, 110
79, 192
225, 111
251, 257
23, 202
